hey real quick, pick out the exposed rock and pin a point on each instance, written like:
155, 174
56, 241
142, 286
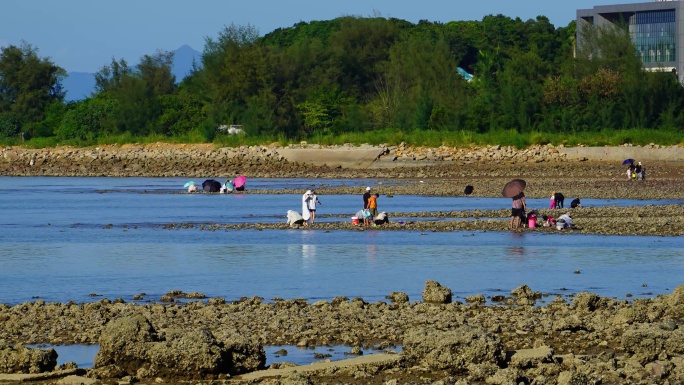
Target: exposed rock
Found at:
525, 292
477, 299
648, 342
244, 354
573, 378
527, 358
185, 353
587, 302
454, 350
123, 344
398, 297
20, 359
435, 293
131, 346
677, 296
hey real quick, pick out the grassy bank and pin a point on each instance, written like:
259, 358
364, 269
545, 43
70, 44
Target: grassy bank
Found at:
395, 137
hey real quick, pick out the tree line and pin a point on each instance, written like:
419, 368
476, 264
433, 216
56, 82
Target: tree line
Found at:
355, 74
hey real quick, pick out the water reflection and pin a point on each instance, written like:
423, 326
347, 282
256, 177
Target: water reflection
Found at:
516, 250
371, 252
308, 255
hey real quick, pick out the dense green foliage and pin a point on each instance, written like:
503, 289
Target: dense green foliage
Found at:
362, 79
29, 87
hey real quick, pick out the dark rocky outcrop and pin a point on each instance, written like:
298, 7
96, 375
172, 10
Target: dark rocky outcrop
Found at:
398, 297
435, 293
20, 359
131, 346
463, 350
525, 296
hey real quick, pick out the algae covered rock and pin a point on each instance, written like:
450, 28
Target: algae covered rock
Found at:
132, 347
454, 350
20, 359
435, 293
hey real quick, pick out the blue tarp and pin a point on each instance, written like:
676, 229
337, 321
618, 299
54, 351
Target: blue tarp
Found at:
465, 74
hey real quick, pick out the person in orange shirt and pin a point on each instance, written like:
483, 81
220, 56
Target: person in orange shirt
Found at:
373, 205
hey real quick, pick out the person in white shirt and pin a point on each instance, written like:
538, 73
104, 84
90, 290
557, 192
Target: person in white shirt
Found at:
564, 221
309, 201
382, 218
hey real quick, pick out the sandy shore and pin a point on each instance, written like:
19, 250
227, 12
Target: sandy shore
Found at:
584, 339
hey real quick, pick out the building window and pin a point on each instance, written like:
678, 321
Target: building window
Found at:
654, 34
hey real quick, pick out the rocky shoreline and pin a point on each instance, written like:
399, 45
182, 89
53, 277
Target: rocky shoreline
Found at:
585, 339
507, 339
162, 159
666, 220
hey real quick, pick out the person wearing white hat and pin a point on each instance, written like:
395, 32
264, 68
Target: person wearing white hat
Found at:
311, 202
366, 197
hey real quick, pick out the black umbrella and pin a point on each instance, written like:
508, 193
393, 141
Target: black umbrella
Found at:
513, 188
628, 161
468, 190
211, 185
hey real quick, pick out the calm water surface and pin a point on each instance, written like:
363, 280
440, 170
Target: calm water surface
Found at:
84, 355
62, 239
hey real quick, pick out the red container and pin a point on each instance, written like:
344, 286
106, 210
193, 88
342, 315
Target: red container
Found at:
355, 221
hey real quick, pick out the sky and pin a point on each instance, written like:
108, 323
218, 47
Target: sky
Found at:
85, 35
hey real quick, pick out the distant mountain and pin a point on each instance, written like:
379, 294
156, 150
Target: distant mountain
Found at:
183, 59
81, 85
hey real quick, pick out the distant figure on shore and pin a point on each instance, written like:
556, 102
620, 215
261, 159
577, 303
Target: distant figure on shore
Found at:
239, 183
365, 216
468, 190
381, 219
631, 172
210, 185
564, 222
309, 200
518, 209
366, 197
575, 203
643, 173
294, 219
552, 201
227, 187
559, 200
306, 213
640, 171
373, 205
193, 188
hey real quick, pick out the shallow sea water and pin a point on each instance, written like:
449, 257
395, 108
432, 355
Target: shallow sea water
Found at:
62, 239
84, 355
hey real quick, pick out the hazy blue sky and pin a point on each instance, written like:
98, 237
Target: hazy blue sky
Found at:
84, 35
